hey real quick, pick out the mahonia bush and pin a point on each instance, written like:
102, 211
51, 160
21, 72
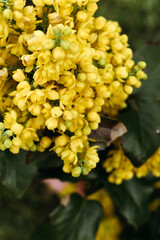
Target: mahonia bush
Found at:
61, 69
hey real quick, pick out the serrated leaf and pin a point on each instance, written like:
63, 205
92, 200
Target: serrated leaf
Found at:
132, 198
142, 119
79, 220
15, 173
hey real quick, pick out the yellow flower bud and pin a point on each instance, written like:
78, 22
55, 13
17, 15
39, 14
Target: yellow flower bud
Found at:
45, 142
18, 75
39, 3
54, 18
56, 112
82, 32
61, 141
67, 168
91, 164
49, 2
17, 142
78, 133
14, 149
74, 113
121, 72
16, 128
51, 123
36, 110
115, 84
129, 63
48, 44
99, 23
128, 89
92, 7
52, 95
94, 125
93, 116
18, 16
23, 86
67, 115
132, 80
76, 172
138, 84
86, 130
7, 13
2, 147
33, 148
8, 143
58, 54
116, 45
81, 16
141, 75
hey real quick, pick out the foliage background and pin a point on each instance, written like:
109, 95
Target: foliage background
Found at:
139, 19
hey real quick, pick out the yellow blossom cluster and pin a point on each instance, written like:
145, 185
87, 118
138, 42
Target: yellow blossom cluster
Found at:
60, 69
110, 227
121, 168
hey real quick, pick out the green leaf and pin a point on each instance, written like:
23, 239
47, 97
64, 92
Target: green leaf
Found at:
142, 119
132, 198
79, 220
15, 173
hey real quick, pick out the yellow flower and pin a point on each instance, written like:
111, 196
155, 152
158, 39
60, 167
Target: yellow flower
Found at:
18, 75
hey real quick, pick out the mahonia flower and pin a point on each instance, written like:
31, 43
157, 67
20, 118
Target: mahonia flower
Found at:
120, 168
60, 69
110, 226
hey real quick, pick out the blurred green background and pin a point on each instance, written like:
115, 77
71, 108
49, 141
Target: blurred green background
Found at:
139, 19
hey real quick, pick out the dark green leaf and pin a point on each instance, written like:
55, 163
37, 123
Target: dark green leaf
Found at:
132, 198
15, 173
142, 119
77, 221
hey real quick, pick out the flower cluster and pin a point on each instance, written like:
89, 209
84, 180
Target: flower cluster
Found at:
110, 226
60, 69
120, 167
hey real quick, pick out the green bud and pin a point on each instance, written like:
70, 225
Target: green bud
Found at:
56, 31
81, 77
67, 31
76, 172
142, 64
33, 148
85, 171
8, 143
8, 133
102, 62
1, 126
65, 45
68, 123
7, 13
